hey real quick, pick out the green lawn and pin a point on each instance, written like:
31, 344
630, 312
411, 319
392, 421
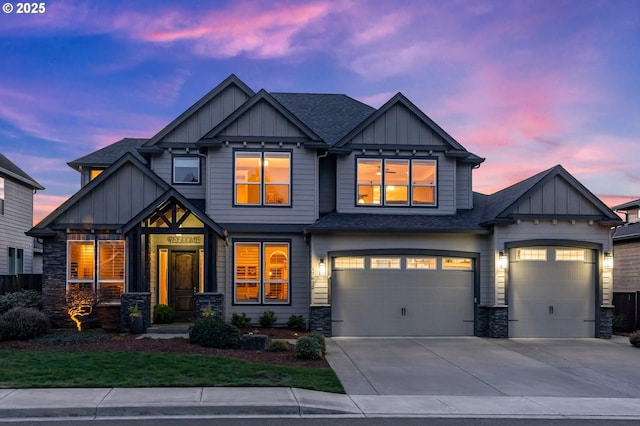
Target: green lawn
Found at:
62, 368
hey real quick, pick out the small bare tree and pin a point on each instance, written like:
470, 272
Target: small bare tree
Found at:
80, 303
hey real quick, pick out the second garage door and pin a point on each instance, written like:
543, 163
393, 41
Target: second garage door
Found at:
402, 296
551, 292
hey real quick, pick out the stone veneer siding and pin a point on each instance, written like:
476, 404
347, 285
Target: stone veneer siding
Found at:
493, 321
54, 282
204, 300
320, 319
606, 322
129, 300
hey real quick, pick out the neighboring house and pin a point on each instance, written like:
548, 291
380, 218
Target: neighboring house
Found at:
626, 276
16, 218
363, 221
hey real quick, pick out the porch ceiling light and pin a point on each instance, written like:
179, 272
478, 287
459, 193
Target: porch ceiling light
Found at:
608, 261
502, 260
322, 268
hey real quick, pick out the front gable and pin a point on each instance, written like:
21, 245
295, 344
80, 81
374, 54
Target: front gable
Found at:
109, 201
262, 118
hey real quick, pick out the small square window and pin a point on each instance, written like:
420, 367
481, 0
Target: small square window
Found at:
186, 170
385, 263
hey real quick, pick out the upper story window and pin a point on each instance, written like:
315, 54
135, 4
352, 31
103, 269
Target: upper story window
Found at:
186, 169
1, 196
94, 173
262, 178
396, 182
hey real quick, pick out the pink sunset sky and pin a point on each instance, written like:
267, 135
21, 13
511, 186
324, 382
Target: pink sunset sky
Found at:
525, 84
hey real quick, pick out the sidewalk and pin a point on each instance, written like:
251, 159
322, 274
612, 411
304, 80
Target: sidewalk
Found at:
155, 402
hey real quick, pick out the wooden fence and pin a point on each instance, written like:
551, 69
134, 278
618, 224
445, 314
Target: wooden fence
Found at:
626, 312
11, 283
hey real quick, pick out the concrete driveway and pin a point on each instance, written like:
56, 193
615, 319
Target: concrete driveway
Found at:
471, 366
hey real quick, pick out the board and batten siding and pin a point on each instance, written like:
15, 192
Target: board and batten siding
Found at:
262, 120
347, 194
398, 126
220, 202
16, 220
560, 230
207, 116
557, 197
115, 200
298, 279
626, 266
162, 165
322, 245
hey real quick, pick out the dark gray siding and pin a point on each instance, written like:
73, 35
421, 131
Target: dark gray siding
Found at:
559, 198
162, 165
327, 184
464, 190
262, 120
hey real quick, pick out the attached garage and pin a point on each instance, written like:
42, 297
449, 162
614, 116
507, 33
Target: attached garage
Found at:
403, 295
552, 292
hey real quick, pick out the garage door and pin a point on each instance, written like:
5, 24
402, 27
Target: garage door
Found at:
551, 292
402, 296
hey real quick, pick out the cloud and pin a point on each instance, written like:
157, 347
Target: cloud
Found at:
44, 204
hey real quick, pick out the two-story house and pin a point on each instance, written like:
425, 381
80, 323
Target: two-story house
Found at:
626, 275
16, 218
361, 220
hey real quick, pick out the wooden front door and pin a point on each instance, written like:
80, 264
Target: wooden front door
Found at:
184, 282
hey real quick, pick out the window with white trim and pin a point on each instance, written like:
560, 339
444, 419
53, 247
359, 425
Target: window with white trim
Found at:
531, 254
570, 255
261, 272
421, 263
186, 170
348, 262
101, 273
396, 182
457, 263
15, 261
80, 266
385, 263
262, 178
111, 270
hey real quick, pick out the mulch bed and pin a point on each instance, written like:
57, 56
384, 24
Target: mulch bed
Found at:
102, 341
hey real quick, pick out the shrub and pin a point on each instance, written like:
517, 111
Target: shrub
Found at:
634, 338
308, 348
278, 346
211, 331
20, 299
268, 319
240, 320
320, 339
296, 322
23, 324
207, 311
162, 314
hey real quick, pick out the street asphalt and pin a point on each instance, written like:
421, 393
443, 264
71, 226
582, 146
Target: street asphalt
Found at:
427, 377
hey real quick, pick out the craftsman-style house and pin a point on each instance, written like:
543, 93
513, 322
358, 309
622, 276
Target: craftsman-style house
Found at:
361, 220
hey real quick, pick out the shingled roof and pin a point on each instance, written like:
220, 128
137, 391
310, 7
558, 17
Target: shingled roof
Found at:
627, 231
8, 169
330, 116
110, 154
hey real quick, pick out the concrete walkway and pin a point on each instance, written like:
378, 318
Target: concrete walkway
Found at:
375, 388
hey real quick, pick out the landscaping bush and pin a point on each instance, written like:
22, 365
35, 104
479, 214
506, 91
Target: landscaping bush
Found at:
211, 331
240, 320
162, 314
308, 348
20, 299
634, 338
320, 339
278, 346
268, 319
23, 324
296, 322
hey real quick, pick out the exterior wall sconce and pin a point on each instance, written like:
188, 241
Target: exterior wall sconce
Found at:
608, 261
502, 260
322, 268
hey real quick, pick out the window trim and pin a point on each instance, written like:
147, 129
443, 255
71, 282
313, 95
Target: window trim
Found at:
262, 184
411, 186
2, 194
173, 169
261, 281
98, 277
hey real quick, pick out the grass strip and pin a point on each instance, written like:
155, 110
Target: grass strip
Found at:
79, 369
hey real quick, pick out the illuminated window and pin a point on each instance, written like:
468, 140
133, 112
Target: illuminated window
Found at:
186, 170
575, 255
94, 173
80, 265
405, 182
111, 270
457, 263
261, 272
385, 263
531, 254
421, 263
348, 262
262, 178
